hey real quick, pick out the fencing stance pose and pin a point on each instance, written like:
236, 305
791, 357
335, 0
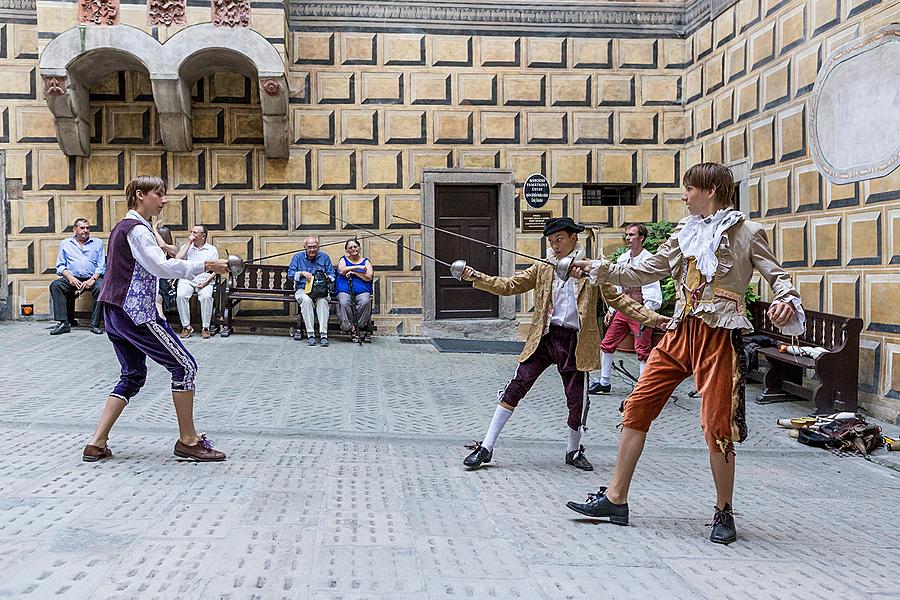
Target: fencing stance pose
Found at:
711, 256
134, 326
564, 332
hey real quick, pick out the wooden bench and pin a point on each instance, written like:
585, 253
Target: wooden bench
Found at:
268, 283
837, 370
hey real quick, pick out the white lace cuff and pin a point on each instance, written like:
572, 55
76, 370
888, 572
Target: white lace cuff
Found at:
797, 326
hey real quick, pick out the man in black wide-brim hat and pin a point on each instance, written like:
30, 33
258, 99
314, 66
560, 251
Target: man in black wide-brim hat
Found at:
564, 332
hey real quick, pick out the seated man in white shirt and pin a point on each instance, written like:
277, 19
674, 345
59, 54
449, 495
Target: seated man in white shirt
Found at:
197, 250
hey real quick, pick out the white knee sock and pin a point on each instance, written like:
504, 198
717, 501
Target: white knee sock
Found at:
641, 366
574, 439
501, 416
606, 362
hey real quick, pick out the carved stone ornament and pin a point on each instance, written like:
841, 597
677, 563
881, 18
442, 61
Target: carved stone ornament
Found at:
166, 12
231, 13
271, 87
54, 86
98, 12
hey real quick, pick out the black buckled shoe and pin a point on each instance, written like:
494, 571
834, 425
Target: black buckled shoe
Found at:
479, 456
599, 506
723, 529
577, 459
599, 388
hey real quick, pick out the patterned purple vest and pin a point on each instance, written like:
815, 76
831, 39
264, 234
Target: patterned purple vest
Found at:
127, 284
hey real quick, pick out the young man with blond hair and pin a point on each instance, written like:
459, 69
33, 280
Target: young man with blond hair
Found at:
711, 256
136, 329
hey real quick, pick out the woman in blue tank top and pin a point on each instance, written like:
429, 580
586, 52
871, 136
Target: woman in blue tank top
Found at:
355, 271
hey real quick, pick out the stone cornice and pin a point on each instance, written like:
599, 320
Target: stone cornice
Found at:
18, 11
576, 18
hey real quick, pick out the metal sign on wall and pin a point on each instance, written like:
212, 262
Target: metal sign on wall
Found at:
536, 190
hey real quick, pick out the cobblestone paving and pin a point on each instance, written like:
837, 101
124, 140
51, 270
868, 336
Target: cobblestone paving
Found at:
344, 481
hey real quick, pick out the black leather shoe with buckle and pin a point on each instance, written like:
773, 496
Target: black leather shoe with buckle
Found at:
599, 506
479, 456
723, 529
577, 459
599, 388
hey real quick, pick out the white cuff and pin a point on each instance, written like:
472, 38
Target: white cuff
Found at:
595, 271
797, 326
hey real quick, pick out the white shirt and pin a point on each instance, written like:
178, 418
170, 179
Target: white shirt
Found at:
150, 256
565, 303
205, 252
652, 292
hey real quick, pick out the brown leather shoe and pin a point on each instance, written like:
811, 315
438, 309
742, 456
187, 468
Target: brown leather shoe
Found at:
95, 453
202, 451
186, 332
205, 334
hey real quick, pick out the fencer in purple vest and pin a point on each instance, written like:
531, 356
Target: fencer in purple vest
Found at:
135, 262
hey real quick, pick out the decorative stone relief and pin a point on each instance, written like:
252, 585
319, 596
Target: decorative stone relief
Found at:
854, 124
231, 13
166, 12
98, 12
54, 86
271, 87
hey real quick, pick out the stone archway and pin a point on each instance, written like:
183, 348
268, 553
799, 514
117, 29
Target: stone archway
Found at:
77, 58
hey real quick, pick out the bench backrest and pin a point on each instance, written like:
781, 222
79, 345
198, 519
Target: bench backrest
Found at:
832, 332
263, 278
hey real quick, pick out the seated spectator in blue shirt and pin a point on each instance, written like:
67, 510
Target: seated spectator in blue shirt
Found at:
355, 271
303, 269
80, 264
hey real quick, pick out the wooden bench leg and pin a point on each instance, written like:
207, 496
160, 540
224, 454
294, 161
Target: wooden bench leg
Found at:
226, 317
834, 394
777, 374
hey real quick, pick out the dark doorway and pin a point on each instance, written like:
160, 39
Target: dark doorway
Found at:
472, 211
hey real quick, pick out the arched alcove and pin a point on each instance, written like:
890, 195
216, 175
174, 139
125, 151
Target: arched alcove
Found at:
77, 58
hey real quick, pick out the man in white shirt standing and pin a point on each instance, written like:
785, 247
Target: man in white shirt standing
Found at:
618, 326
196, 250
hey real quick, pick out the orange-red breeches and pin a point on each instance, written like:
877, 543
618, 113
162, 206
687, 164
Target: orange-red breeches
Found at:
716, 359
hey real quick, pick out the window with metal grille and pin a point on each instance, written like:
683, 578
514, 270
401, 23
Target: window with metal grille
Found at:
610, 194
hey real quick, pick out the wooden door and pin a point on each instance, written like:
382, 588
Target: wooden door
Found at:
472, 211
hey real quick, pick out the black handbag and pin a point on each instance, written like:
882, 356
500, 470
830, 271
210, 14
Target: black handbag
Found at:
319, 285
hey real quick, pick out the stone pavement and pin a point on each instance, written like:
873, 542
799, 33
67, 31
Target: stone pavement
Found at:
344, 481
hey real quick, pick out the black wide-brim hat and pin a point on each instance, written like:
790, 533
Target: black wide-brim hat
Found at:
561, 224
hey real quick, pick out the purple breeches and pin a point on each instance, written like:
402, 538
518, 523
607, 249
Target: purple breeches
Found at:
556, 347
134, 343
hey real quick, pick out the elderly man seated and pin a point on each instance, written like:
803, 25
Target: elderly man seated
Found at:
80, 264
311, 271
196, 250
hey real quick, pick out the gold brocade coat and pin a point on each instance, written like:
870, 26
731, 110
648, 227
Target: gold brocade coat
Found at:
539, 277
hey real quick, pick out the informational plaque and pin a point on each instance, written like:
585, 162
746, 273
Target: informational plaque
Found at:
537, 190
534, 220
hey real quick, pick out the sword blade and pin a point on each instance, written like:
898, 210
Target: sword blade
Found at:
384, 237
471, 239
365, 237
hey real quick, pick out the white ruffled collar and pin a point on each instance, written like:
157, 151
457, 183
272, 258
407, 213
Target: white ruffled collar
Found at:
700, 237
